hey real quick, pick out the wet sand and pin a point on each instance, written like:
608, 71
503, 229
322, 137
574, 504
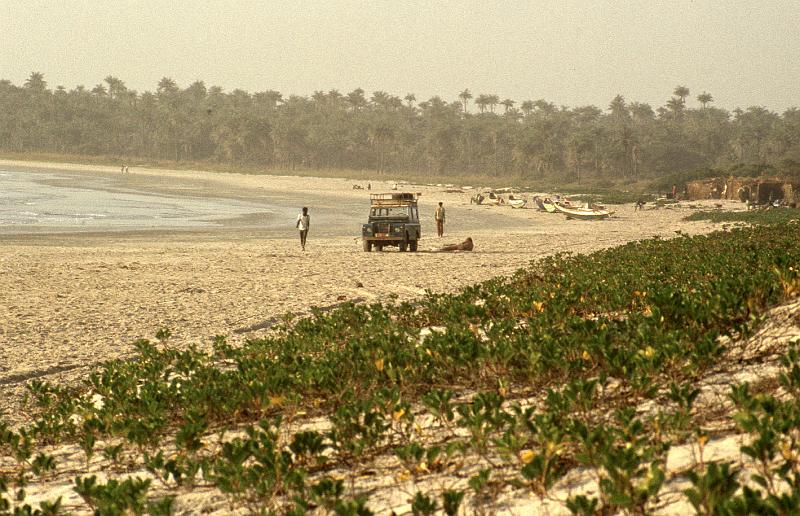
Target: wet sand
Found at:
71, 299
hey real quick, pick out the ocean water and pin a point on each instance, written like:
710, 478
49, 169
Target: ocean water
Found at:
37, 201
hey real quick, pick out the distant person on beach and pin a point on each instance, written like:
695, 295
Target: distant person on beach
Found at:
126, 169
439, 216
303, 223
122, 170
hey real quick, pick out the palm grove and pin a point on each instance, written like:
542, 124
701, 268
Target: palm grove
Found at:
478, 134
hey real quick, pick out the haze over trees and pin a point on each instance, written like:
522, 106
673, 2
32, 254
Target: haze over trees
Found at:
476, 133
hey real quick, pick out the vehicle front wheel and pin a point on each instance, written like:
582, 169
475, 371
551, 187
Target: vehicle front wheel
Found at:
367, 246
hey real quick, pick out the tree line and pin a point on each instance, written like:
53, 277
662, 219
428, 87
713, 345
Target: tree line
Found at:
478, 134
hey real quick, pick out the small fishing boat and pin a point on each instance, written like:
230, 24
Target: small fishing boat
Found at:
584, 213
517, 203
486, 198
544, 204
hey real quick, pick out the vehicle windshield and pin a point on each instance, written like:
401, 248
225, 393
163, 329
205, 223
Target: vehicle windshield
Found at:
394, 212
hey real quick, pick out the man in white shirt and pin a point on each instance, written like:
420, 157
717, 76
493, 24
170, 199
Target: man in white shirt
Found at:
303, 223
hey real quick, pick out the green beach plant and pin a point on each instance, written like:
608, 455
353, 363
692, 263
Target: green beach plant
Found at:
521, 378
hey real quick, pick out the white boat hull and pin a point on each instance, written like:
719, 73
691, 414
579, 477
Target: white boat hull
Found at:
583, 213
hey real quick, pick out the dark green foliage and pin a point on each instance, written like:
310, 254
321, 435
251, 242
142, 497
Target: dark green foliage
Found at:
119, 498
713, 489
633, 465
379, 133
423, 505
583, 505
451, 501
593, 335
765, 216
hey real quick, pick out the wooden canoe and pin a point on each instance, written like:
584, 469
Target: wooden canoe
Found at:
583, 213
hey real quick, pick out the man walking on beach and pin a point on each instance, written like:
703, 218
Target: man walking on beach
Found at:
303, 223
439, 216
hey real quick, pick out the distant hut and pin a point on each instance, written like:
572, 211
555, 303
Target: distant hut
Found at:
746, 189
706, 189
768, 191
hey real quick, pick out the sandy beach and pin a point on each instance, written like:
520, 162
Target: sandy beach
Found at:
71, 299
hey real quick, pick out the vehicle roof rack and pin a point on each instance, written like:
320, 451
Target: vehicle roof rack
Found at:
410, 196
385, 199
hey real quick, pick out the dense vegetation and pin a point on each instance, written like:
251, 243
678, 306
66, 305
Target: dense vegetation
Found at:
759, 216
441, 385
382, 132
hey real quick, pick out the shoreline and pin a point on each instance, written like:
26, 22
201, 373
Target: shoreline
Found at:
103, 163
113, 163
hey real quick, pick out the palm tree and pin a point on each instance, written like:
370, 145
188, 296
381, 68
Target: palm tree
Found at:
380, 99
394, 102
356, 99
99, 90
641, 112
676, 105
618, 107
527, 107
493, 101
482, 101
36, 82
682, 92
546, 107
166, 86
115, 86
410, 98
704, 98
465, 96
513, 114
319, 100
507, 103
272, 97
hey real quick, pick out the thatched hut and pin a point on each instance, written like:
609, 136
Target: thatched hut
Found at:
705, 189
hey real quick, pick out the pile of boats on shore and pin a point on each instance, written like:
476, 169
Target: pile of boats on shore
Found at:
584, 211
572, 210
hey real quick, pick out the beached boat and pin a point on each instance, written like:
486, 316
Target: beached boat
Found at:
517, 203
583, 213
544, 205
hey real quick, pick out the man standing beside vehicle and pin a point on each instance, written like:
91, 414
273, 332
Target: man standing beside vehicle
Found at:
439, 216
303, 224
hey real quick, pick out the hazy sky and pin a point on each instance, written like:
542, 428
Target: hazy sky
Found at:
570, 52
